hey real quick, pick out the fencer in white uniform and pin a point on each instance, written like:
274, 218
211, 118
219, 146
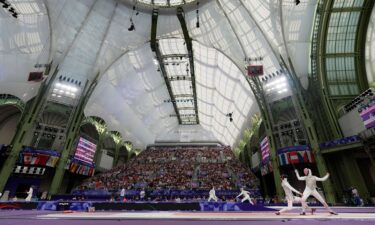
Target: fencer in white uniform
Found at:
212, 195
310, 188
29, 195
246, 196
289, 197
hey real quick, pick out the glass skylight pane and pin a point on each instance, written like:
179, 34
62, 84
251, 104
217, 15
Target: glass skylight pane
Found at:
181, 87
176, 2
145, 1
160, 2
172, 46
186, 111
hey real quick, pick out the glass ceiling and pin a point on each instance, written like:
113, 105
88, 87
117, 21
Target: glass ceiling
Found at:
340, 53
175, 59
24, 42
221, 89
88, 37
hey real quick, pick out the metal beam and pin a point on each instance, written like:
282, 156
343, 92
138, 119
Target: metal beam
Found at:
357, 145
189, 46
154, 26
186, 108
184, 96
155, 48
167, 56
346, 54
346, 9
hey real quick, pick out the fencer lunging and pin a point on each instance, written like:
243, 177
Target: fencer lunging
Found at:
212, 195
246, 196
289, 197
310, 188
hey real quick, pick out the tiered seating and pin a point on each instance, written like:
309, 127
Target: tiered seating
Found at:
176, 168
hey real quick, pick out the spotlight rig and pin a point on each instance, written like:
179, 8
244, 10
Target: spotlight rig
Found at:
230, 116
132, 27
7, 6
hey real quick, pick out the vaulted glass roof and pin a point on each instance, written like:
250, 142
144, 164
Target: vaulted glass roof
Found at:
87, 38
175, 60
340, 52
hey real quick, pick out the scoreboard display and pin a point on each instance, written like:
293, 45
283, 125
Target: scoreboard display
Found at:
255, 70
85, 151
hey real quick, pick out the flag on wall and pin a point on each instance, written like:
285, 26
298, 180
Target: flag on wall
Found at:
264, 148
296, 157
76, 166
52, 161
266, 168
31, 156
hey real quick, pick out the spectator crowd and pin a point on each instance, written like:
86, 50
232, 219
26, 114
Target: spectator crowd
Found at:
176, 168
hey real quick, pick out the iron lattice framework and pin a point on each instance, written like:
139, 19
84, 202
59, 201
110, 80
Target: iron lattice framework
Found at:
176, 66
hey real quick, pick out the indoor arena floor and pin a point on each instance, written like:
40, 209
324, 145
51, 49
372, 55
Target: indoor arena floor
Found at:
347, 216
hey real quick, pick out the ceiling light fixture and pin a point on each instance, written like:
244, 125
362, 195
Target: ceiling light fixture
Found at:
11, 9
132, 27
230, 116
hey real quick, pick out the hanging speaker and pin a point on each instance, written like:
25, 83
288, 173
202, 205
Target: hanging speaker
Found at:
35, 76
255, 70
